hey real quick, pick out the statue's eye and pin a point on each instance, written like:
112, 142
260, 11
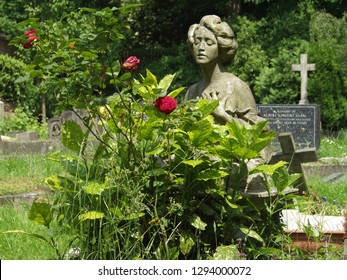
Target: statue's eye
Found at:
209, 42
197, 41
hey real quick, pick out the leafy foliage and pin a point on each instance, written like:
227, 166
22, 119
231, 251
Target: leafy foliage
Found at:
155, 187
23, 94
328, 49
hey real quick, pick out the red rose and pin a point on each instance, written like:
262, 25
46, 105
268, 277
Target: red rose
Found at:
31, 35
165, 104
131, 63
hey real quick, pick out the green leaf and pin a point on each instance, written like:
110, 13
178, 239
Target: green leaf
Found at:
40, 212
280, 178
72, 136
95, 188
207, 107
88, 10
114, 70
200, 132
244, 152
150, 79
196, 222
128, 8
133, 216
251, 233
125, 76
176, 92
229, 252
270, 251
231, 205
91, 215
165, 83
186, 243
268, 168
22, 79
59, 183
192, 162
89, 56
211, 174
156, 151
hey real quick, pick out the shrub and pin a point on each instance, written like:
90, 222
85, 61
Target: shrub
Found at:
25, 93
22, 121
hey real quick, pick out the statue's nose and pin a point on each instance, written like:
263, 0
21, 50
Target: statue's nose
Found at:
202, 46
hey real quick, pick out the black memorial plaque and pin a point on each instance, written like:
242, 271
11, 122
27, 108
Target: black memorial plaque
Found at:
302, 120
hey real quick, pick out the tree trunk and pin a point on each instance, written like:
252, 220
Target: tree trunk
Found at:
43, 107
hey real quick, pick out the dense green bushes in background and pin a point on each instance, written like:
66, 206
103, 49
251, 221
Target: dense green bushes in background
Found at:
328, 86
24, 94
271, 37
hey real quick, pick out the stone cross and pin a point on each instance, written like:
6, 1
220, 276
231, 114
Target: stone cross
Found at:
294, 158
2, 110
303, 67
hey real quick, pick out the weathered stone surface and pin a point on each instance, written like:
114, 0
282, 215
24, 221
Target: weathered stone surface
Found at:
54, 128
27, 136
303, 68
78, 116
294, 158
28, 147
293, 220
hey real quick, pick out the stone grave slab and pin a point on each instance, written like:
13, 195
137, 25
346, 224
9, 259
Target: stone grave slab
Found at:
27, 136
303, 121
293, 220
294, 158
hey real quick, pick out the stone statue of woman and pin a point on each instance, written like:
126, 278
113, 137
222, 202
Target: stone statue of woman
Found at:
213, 47
212, 44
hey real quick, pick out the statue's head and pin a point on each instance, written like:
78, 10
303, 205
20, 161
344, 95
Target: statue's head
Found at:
223, 34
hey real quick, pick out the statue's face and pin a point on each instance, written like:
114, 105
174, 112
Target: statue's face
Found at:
205, 47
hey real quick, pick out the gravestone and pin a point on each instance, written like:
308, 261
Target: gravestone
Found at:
294, 158
303, 121
77, 116
54, 128
55, 124
303, 68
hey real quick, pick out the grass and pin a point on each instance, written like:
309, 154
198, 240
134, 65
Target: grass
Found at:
334, 145
25, 174
19, 246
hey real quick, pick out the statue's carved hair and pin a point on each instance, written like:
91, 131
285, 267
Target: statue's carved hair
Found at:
224, 35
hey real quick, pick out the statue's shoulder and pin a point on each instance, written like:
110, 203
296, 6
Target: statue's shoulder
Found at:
192, 92
237, 83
